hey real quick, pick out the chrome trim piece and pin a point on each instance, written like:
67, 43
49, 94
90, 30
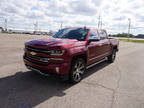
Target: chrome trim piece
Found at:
56, 54
43, 59
37, 50
36, 70
57, 59
98, 56
95, 63
37, 58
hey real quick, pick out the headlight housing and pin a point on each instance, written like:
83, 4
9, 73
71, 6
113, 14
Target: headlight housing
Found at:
25, 46
57, 52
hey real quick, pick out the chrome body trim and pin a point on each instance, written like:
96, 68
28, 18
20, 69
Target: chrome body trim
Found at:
98, 56
36, 70
96, 63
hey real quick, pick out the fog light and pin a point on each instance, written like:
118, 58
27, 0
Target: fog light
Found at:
57, 69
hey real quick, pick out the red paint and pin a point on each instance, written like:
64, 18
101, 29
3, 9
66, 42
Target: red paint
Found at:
94, 52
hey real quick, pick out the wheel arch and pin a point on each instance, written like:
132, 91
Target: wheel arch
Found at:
83, 56
115, 47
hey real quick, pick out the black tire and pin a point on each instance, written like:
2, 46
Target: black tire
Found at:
77, 70
112, 57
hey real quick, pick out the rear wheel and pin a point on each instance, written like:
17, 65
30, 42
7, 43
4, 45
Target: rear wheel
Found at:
77, 70
112, 57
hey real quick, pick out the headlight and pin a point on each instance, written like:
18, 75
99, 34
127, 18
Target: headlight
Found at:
25, 44
57, 52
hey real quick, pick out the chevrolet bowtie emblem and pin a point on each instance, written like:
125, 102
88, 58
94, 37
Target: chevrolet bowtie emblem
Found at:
33, 53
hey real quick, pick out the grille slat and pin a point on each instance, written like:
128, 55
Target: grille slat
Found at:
36, 58
38, 50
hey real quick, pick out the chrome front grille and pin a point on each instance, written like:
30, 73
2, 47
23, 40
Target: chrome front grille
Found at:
38, 50
36, 58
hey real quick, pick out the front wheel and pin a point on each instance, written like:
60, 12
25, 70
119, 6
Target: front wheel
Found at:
112, 57
77, 70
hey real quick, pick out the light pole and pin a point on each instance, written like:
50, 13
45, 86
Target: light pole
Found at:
35, 27
5, 25
99, 20
129, 28
61, 25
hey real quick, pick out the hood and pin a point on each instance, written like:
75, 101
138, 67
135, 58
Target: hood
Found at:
52, 42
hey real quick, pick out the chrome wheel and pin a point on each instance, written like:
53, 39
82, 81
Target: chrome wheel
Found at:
113, 55
78, 68
78, 71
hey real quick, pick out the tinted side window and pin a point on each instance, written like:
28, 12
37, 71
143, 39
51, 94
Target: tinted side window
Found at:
102, 34
93, 34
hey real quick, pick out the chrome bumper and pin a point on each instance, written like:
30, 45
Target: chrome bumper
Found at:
36, 70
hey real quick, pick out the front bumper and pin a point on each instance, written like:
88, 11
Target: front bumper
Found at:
50, 69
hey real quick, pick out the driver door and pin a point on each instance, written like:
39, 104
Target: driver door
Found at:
94, 48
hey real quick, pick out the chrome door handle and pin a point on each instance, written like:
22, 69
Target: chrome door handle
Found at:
100, 44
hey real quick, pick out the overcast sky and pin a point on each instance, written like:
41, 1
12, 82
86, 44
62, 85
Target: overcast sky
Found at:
22, 14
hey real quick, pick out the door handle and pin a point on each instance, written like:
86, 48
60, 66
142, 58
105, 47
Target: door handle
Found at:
100, 44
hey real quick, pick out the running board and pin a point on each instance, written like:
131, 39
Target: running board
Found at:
96, 63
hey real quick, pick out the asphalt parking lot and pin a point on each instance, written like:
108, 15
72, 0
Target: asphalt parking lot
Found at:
116, 85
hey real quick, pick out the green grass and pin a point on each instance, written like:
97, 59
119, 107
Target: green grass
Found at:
132, 40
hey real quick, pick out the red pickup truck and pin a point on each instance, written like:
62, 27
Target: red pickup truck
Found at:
69, 52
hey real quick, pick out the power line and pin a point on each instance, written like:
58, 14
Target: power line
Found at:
137, 27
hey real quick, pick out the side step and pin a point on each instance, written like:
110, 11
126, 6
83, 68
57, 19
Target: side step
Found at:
96, 63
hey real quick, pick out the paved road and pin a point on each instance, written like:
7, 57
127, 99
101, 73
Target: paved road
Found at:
116, 85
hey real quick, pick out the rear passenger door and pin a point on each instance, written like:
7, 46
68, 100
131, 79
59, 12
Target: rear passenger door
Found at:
105, 43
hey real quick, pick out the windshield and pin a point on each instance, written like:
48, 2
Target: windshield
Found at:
72, 33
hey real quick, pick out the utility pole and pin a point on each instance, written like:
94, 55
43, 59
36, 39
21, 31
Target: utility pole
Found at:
101, 23
35, 27
129, 27
5, 25
99, 20
61, 25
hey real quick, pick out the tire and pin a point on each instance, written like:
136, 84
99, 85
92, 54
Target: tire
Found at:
77, 70
112, 57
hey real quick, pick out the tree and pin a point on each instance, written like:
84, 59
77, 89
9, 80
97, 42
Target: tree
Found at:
1, 29
122, 35
140, 36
